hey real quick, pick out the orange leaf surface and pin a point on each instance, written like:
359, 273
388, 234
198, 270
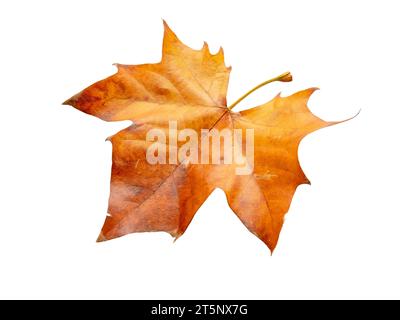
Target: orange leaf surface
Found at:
188, 88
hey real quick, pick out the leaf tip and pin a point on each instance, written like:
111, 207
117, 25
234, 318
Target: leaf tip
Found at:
355, 116
206, 49
71, 101
306, 181
176, 237
332, 123
119, 65
271, 248
167, 29
308, 92
165, 24
270, 242
101, 238
304, 95
170, 39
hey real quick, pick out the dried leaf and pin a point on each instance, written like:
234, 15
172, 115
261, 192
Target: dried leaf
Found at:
188, 89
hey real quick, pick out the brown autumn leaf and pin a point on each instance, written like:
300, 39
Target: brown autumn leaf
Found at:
188, 87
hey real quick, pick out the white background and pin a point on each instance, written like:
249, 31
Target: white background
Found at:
341, 238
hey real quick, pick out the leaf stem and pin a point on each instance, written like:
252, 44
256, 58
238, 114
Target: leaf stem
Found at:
284, 77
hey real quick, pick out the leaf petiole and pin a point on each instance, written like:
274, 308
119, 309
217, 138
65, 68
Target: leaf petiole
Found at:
284, 77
